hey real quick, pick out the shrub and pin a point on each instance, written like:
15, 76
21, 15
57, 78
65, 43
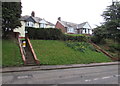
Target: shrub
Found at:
98, 40
115, 47
80, 46
79, 38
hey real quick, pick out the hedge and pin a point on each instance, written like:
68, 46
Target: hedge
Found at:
53, 34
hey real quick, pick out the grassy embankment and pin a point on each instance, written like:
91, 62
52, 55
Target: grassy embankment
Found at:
51, 52
112, 47
10, 53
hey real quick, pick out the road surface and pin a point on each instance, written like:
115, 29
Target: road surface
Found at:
87, 75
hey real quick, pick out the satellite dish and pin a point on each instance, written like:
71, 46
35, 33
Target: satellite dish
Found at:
118, 28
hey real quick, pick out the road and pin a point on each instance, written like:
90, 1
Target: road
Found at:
87, 75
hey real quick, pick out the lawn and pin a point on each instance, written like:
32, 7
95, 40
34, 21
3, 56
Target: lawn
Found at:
11, 54
52, 52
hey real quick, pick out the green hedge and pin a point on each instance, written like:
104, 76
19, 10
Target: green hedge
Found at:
53, 34
44, 33
75, 38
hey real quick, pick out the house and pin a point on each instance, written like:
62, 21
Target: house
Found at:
32, 21
73, 28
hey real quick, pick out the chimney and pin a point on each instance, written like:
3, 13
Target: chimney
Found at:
33, 14
59, 18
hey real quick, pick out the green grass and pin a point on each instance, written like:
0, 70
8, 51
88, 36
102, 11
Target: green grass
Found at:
51, 52
10, 53
112, 47
75, 34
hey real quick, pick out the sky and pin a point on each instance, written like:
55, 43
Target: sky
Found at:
76, 11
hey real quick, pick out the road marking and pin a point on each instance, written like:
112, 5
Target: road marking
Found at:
106, 77
24, 77
116, 75
96, 79
87, 80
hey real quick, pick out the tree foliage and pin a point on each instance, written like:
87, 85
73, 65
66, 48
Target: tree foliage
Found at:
11, 13
112, 12
112, 21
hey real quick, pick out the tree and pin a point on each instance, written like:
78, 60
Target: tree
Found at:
11, 13
112, 18
109, 27
99, 34
112, 15
112, 12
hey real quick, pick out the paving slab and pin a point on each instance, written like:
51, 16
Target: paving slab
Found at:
53, 67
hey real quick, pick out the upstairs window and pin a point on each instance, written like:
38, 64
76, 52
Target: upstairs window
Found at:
30, 24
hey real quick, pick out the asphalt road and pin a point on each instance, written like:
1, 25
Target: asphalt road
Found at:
88, 75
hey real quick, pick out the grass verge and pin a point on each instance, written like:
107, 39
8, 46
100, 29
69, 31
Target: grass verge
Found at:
52, 52
11, 54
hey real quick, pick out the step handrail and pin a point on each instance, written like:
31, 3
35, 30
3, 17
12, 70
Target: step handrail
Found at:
22, 52
103, 51
32, 50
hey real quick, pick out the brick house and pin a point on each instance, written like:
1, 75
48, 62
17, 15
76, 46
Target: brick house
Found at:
73, 28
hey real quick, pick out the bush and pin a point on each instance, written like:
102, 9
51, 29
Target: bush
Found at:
98, 40
80, 46
79, 38
53, 34
115, 47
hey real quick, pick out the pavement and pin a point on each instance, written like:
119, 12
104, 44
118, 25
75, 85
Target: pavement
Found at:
53, 67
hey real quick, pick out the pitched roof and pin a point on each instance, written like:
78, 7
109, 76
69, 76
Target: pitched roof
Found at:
50, 23
74, 25
81, 25
36, 19
67, 24
24, 17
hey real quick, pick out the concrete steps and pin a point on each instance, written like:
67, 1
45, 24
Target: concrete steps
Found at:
29, 56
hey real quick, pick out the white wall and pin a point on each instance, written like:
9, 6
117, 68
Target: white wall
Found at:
87, 26
37, 25
49, 26
21, 29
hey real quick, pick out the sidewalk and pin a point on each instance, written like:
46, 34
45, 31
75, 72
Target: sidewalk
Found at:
53, 67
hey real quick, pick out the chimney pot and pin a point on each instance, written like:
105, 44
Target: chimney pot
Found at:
59, 18
33, 14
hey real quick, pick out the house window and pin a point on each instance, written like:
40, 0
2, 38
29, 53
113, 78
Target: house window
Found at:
70, 30
42, 25
30, 24
27, 24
